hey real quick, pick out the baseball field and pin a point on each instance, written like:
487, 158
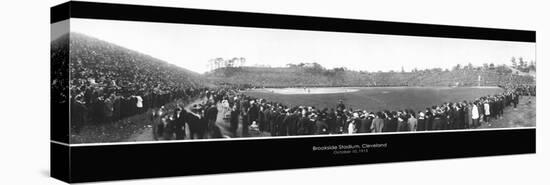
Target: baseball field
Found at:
372, 98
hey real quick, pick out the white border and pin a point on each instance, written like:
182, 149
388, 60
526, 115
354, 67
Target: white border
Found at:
279, 137
60, 143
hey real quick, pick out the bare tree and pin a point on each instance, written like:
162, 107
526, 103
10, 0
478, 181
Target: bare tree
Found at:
514, 63
231, 63
220, 62
522, 64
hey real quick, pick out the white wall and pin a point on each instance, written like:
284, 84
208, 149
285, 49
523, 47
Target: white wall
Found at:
24, 72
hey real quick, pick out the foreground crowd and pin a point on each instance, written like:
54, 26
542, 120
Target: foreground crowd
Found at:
108, 83
260, 115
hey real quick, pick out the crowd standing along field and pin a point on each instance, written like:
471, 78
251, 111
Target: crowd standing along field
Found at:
376, 98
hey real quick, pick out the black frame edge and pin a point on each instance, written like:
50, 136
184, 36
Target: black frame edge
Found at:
165, 159
60, 162
61, 153
127, 12
60, 12
59, 112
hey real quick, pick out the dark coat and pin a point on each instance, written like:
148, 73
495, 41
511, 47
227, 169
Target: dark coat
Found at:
365, 125
402, 126
456, 119
421, 124
429, 120
179, 125
390, 125
253, 113
211, 113
321, 127
234, 120
331, 122
378, 125
438, 123
197, 125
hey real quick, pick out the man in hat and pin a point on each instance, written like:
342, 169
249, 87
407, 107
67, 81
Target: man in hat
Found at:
331, 121
412, 122
279, 127
234, 120
390, 123
421, 122
351, 125
467, 115
303, 122
168, 122
158, 126
340, 107
377, 123
438, 119
487, 113
321, 126
455, 117
475, 115
366, 122
211, 115
253, 112
179, 123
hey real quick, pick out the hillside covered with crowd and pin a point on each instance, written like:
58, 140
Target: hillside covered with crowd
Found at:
313, 75
109, 82
59, 53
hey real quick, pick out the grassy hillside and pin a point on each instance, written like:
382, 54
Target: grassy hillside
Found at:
304, 76
131, 70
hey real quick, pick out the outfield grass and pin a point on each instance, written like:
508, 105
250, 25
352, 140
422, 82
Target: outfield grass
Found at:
381, 98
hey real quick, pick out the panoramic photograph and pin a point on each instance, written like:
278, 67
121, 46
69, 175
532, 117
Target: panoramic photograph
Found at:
133, 81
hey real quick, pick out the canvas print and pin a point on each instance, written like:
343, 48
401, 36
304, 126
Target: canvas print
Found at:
137, 82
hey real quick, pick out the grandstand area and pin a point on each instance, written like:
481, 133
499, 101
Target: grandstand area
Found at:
110, 85
341, 77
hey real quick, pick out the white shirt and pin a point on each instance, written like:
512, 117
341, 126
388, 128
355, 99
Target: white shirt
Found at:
139, 103
475, 112
351, 128
486, 107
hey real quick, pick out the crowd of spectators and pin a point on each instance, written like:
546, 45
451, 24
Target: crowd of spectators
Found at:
282, 120
109, 82
302, 77
59, 70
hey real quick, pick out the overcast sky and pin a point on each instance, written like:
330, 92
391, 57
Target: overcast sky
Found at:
191, 46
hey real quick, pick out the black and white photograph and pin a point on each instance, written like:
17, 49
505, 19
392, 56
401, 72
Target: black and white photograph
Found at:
171, 92
275, 92
144, 82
